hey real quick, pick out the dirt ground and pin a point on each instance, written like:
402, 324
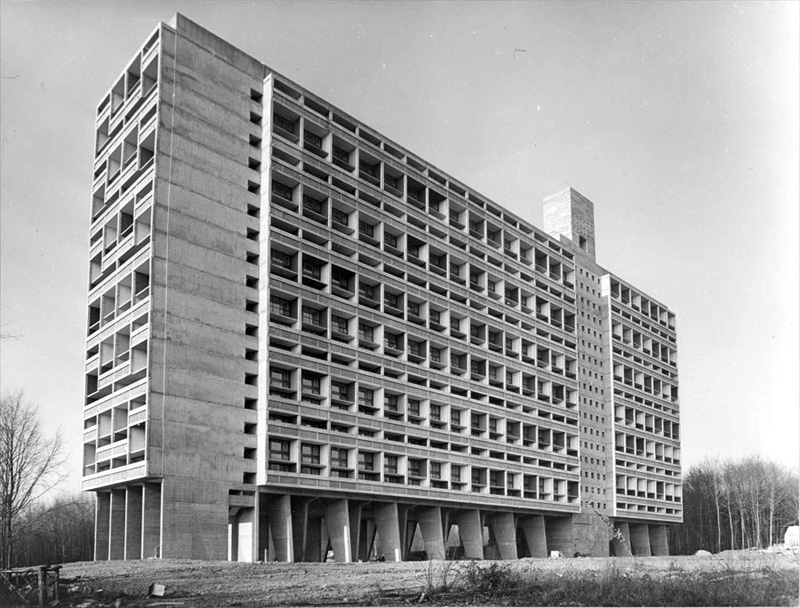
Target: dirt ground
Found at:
227, 584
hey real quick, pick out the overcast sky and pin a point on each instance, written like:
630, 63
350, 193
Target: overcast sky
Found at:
679, 120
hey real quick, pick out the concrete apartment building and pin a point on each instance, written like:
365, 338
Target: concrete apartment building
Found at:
305, 341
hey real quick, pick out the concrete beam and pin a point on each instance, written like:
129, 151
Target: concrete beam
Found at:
471, 532
387, 521
533, 528
640, 540
133, 522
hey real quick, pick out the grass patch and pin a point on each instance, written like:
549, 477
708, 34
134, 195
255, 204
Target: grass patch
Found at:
718, 583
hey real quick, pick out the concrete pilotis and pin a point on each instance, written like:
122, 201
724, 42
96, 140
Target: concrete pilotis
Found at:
621, 543
246, 527
658, 540
101, 523
354, 517
388, 524
471, 533
430, 523
299, 518
533, 528
133, 523
337, 520
314, 549
559, 535
116, 529
151, 520
505, 534
279, 517
640, 540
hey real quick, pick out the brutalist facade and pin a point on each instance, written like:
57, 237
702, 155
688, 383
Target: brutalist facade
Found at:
305, 342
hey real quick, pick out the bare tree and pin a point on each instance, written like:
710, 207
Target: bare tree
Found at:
30, 466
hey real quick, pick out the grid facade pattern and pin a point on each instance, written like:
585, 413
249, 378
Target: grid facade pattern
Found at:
297, 326
427, 336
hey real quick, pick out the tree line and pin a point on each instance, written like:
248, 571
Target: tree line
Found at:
34, 527
735, 504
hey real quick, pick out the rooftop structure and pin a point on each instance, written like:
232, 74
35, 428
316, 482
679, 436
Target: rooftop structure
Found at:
305, 341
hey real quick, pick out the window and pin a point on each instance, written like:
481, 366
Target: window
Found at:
390, 465
417, 348
454, 268
390, 402
280, 378
392, 182
312, 269
279, 449
413, 249
340, 390
413, 308
365, 332
455, 324
393, 341
390, 299
414, 467
368, 291
510, 378
340, 324
285, 124
311, 384
339, 457
390, 239
365, 396
436, 355
435, 315
309, 456
366, 229
341, 154
341, 216
313, 139
312, 316
436, 470
312, 204
279, 258
282, 190
279, 306
366, 461
413, 407
509, 344
455, 473
436, 412
455, 417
